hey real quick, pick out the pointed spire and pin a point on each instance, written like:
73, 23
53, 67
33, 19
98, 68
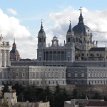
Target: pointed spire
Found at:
41, 25
70, 27
80, 10
14, 44
81, 17
14, 40
41, 28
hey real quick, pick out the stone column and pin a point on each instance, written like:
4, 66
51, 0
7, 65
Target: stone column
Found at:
3, 61
7, 58
0, 58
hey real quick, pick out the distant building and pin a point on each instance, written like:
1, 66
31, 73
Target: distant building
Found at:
85, 103
37, 75
14, 54
9, 98
32, 104
79, 61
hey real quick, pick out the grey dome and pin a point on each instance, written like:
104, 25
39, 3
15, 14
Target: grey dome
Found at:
81, 28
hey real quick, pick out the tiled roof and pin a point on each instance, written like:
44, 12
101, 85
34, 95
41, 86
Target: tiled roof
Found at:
98, 49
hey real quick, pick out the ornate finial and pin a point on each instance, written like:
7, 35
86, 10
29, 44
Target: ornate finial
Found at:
14, 40
81, 17
69, 30
80, 10
41, 23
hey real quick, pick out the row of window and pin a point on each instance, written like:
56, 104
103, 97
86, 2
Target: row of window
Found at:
98, 74
76, 75
97, 82
98, 70
91, 54
47, 74
50, 82
46, 69
42, 75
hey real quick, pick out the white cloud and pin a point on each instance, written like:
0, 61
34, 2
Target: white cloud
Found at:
96, 20
57, 25
12, 11
10, 28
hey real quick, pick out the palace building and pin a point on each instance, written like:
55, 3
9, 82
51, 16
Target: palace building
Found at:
79, 61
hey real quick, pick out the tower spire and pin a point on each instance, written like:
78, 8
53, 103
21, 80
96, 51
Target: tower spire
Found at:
69, 30
80, 10
41, 24
81, 17
41, 28
14, 40
14, 44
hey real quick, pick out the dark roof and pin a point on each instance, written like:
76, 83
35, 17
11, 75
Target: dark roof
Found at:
41, 28
98, 49
81, 28
97, 103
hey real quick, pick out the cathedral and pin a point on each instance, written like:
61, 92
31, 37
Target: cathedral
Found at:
79, 61
78, 46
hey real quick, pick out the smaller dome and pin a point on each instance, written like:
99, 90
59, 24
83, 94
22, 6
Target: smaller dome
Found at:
14, 54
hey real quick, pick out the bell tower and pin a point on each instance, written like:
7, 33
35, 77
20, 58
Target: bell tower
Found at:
41, 37
70, 36
41, 43
70, 45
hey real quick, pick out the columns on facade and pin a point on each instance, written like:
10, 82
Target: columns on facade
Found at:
3, 58
7, 58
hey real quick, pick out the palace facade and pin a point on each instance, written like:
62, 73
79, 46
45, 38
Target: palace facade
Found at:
79, 61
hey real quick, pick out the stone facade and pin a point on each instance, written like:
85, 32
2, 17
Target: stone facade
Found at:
4, 53
38, 75
77, 62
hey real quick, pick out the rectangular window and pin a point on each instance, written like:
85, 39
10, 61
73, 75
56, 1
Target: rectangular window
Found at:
69, 74
82, 74
17, 74
23, 74
76, 75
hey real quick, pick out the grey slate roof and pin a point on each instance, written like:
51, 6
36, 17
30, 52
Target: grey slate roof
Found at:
98, 49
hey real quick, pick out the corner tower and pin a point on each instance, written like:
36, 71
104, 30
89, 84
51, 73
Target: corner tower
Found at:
41, 43
70, 36
70, 45
41, 37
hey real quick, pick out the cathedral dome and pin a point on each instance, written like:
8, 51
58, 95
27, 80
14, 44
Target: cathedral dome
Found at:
81, 28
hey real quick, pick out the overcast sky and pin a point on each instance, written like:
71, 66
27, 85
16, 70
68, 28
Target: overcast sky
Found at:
20, 19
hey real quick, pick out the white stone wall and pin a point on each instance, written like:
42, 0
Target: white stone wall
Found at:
38, 75
19, 74
47, 75
4, 53
96, 75
10, 98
